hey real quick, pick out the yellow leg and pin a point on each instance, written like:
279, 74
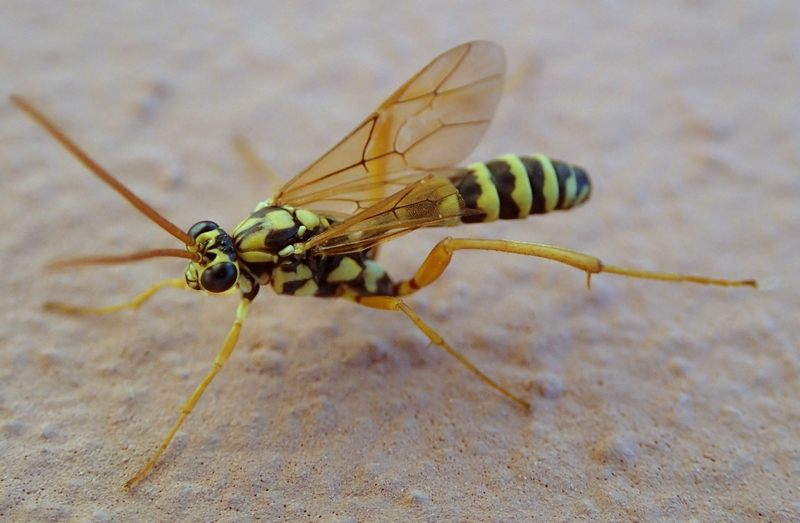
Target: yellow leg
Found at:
439, 258
252, 158
134, 304
219, 361
390, 303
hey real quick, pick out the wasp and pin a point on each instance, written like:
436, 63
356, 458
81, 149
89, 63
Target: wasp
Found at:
318, 234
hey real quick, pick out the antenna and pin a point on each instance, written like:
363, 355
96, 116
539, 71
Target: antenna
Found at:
104, 175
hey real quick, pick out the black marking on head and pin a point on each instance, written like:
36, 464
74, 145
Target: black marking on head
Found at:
505, 182
224, 244
536, 179
200, 227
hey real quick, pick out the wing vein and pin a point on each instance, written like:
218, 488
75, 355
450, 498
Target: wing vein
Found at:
431, 122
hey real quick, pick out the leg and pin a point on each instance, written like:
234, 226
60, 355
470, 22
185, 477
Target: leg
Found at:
252, 158
219, 361
178, 283
390, 303
439, 258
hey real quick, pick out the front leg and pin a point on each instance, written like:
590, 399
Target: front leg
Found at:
222, 356
134, 304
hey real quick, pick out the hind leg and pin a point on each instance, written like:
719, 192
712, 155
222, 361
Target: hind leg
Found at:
439, 258
441, 255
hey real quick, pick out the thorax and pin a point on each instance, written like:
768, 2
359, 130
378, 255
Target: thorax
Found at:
269, 249
267, 238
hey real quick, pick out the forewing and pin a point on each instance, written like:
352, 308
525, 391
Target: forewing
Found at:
434, 120
431, 201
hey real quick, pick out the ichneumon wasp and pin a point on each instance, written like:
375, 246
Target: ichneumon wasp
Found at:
318, 234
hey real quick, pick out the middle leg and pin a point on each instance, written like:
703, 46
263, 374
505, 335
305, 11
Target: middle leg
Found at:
391, 303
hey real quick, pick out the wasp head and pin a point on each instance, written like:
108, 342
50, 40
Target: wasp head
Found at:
217, 270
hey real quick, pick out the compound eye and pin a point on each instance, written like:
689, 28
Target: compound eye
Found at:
200, 227
219, 277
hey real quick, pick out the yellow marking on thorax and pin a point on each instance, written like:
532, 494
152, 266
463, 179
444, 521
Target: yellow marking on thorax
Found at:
309, 289
251, 246
253, 242
277, 220
347, 271
488, 201
550, 182
255, 256
282, 277
522, 193
307, 218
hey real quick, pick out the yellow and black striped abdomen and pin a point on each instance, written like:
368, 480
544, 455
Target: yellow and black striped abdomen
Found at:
512, 187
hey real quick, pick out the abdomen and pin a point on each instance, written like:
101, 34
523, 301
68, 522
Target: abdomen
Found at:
512, 187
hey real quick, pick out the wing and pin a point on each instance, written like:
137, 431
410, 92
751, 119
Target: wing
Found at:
428, 202
434, 120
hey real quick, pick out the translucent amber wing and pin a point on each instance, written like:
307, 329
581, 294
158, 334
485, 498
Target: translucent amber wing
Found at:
429, 202
434, 120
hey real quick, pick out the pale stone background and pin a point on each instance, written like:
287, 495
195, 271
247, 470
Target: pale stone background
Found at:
652, 401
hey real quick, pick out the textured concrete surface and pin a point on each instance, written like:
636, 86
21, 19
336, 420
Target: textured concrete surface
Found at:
651, 401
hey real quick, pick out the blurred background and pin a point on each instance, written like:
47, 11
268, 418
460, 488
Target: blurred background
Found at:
652, 401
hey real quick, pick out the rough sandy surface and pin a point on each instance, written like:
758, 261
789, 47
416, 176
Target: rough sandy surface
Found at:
651, 401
